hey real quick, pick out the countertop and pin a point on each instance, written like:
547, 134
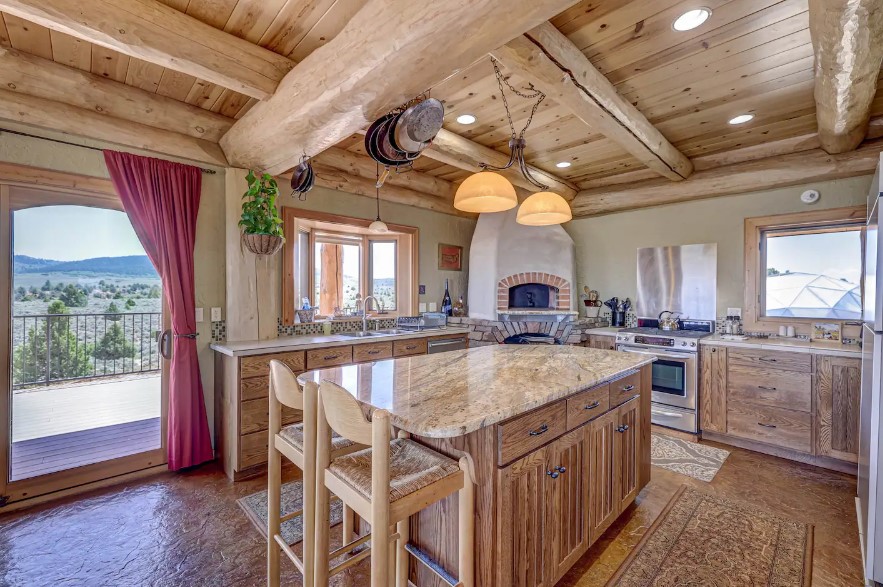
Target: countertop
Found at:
604, 331
457, 392
789, 344
317, 341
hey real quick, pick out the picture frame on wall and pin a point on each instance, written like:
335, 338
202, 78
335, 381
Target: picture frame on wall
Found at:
450, 257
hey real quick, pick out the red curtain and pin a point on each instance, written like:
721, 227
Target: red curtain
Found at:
161, 199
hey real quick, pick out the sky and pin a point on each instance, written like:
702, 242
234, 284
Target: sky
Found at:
73, 233
835, 254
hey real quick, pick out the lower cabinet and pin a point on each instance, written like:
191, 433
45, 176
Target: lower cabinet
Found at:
556, 501
838, 404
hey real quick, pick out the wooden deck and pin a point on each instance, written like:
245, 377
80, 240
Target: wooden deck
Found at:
49, 454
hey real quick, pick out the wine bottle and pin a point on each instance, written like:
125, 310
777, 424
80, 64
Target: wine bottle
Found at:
447, 306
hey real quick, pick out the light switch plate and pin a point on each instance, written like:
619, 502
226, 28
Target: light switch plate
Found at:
199, 315
422, 307
432, 307
216, 314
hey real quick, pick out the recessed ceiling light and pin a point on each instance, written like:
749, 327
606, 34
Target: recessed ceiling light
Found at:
741, 119
465, 119
692, 19
563, 164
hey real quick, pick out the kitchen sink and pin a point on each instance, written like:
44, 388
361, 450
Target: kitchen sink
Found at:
362, 334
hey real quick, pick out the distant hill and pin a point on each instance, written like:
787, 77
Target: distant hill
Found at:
132, 265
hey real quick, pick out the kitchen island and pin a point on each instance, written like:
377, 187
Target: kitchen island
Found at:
558, 438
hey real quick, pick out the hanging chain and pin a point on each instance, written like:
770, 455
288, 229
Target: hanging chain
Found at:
528, 95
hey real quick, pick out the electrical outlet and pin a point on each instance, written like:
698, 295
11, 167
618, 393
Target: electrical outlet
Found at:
199, 315
422, 307
216, 314
432, 307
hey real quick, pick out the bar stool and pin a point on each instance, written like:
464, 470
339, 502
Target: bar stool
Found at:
385, 485
297, 443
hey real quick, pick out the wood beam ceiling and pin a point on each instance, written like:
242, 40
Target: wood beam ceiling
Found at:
761, 174
846, 37
554, 65
159, 34
387, 54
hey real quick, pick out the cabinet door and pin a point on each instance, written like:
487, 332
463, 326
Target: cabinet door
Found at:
838, 392
628, 431
567, 478
713, 388
607, 343
603, 501
521, 517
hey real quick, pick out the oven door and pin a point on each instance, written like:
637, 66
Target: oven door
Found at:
674, 376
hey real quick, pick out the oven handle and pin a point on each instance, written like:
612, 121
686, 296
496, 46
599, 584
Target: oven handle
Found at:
680, 357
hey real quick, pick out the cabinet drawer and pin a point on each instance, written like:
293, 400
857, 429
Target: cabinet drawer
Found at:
783, 428
523, 434
403, 348
761, 359
254, 416
254, 388
252, 449
780, 389
622, 390
372, 351
587, 405
259, 365
339, 355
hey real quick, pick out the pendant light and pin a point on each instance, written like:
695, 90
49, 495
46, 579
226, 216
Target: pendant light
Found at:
378, 225
487, 191
543, 209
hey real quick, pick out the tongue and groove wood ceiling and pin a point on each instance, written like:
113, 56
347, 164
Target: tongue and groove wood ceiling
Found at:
751, 56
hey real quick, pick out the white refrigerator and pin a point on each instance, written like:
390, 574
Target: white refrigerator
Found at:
869, 502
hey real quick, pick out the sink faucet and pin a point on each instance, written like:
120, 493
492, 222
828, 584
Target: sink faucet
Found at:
365, 308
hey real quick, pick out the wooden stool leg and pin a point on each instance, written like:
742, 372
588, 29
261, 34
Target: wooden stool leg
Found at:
466, 525
309, 488
403, 527
348, 523
274, 504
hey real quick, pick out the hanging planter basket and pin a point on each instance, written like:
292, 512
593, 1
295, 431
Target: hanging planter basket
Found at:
263, 244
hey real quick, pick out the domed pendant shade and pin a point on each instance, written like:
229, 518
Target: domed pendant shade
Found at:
485, 191
543, 209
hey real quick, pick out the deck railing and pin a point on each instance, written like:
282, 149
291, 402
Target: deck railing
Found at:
49, 348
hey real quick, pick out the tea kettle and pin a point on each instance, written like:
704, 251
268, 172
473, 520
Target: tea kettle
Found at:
670, 322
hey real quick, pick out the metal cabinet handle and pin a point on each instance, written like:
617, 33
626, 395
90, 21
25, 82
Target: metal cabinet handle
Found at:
623, 428
556, 471
628, 388
766, 388
714, 350
768, 360
766, 425
373, 352
553, 474
329, 357
541, 430
410, 347
592, 405
561, 469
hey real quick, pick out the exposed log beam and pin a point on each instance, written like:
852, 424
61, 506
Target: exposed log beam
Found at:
387, 54
554, 65
365, 167
30, 75
848, 53
55, 116
452, 149
762, 174
154, 32
337, 179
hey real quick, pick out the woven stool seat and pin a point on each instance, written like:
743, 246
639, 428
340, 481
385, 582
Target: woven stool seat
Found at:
294, 435
412, 467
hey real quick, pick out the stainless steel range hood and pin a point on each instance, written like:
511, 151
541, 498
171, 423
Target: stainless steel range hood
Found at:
681, 279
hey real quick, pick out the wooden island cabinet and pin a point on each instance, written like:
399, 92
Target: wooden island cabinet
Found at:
798, 405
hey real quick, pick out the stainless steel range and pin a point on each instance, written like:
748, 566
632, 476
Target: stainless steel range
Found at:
675, 390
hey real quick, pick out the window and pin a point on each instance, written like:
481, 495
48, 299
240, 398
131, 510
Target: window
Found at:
334, 262
806, 267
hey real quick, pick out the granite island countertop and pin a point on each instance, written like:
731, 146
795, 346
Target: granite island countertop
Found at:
284, 344
457, 392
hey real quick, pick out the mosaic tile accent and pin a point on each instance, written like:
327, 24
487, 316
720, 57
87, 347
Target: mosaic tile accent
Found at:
338, 326
219, 331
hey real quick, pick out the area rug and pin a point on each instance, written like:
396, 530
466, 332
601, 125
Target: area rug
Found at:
695, 460
703, 540
255, 507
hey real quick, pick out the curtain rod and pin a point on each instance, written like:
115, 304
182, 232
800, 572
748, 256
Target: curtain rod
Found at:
24, 134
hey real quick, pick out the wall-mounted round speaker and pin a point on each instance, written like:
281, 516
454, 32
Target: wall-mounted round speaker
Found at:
809, 197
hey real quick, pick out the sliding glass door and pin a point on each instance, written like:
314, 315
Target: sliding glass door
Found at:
84, 380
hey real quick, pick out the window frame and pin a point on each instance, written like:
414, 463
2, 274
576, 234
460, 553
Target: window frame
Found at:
756, 231
292, 226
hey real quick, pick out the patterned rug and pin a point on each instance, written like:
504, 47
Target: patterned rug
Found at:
695, 460
255, 507
703, 540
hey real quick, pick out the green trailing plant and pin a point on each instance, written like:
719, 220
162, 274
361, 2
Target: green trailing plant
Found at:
259, 212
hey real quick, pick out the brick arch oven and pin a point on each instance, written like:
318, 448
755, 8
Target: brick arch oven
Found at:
533, 290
